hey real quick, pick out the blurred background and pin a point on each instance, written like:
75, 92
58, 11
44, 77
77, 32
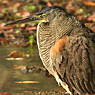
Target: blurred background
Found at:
21, 69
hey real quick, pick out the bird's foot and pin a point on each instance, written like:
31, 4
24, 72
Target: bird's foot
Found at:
58, 80
63, 84
68, 93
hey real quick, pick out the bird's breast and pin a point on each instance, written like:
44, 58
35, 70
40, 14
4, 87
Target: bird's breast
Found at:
57, 48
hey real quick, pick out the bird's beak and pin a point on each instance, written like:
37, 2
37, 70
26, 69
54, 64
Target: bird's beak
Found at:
31, 18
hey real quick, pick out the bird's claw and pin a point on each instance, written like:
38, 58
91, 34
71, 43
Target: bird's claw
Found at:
63, 84
59, 84
68, 93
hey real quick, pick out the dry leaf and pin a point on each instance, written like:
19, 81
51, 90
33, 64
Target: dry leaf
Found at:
2, 26
49, 4
31, 28
93, 29
17, 54
88, 3
14, 58
16, 5
22, 25
5, 93
91, 18
27, 82
16, 66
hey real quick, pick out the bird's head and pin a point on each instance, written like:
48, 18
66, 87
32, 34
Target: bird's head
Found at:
50, 13
46, 14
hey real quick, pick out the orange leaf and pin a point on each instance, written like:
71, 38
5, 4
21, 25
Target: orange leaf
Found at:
91, 18
3, 40
16, 66
16, 5
31, 28
49, 4
2, 26
5, 93
22, 25
93, 29
88, 3
17, 54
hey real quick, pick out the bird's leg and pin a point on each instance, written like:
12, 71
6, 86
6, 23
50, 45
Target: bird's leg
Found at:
63, 84
58, 80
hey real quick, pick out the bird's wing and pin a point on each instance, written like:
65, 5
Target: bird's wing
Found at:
78, 64
45, 39
47, 35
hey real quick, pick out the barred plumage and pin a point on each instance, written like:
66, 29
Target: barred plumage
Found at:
67, 49
74, 65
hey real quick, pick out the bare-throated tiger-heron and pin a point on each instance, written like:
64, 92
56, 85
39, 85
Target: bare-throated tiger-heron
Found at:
66, 48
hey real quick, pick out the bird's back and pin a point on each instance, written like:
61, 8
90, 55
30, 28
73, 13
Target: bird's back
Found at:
79, 60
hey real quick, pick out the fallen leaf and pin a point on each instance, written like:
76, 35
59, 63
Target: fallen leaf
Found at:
14, 58
88, 3
93, 29
22, 45
18, 14
91, 18
79, 11
22, 25
16, 66
16, 5
17, 54
27, 82
3, 40
23, 14
28, 91
49, 4
2, 26
5, 93
31, 28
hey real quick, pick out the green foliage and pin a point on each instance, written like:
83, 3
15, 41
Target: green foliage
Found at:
1, 21
5, 10
27, 7
1, 43
1, 14
31, 39
17, 25
18, 31
15, 10
30, 48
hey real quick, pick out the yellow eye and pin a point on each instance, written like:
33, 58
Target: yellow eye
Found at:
44, 15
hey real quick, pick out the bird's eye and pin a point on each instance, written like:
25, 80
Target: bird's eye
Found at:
43, 15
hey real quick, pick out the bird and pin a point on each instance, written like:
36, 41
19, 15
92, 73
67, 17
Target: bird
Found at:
67, 49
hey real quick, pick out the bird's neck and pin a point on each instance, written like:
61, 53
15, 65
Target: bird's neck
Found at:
67, 26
